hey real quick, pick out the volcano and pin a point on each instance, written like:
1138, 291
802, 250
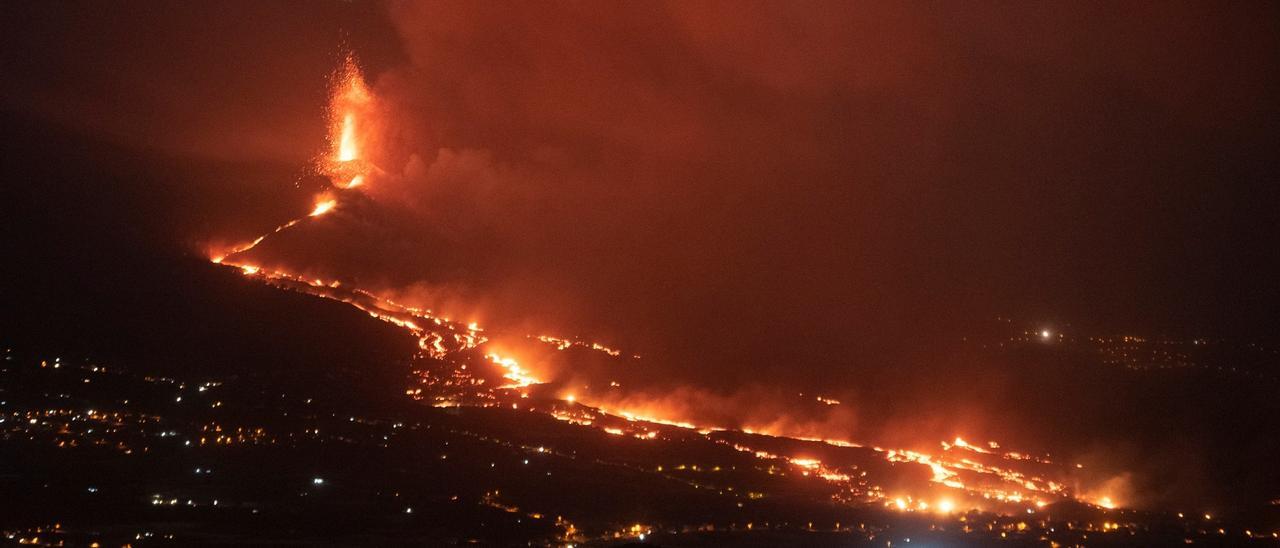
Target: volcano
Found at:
204, 349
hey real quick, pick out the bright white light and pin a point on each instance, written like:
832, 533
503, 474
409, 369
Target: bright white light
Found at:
317, 481
1045, 334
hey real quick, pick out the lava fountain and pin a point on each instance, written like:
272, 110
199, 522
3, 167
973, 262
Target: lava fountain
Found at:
350, 105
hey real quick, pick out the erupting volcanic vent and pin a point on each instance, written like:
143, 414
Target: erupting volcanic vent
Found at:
345, 165
462, 364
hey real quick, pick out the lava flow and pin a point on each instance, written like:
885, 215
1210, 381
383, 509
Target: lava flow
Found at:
463, 367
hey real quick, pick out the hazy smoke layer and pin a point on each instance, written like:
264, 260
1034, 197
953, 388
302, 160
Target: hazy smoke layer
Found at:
796, 188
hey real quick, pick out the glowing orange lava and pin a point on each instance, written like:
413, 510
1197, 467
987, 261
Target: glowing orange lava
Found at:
350, 111
323, 207
969, 474
347, 142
